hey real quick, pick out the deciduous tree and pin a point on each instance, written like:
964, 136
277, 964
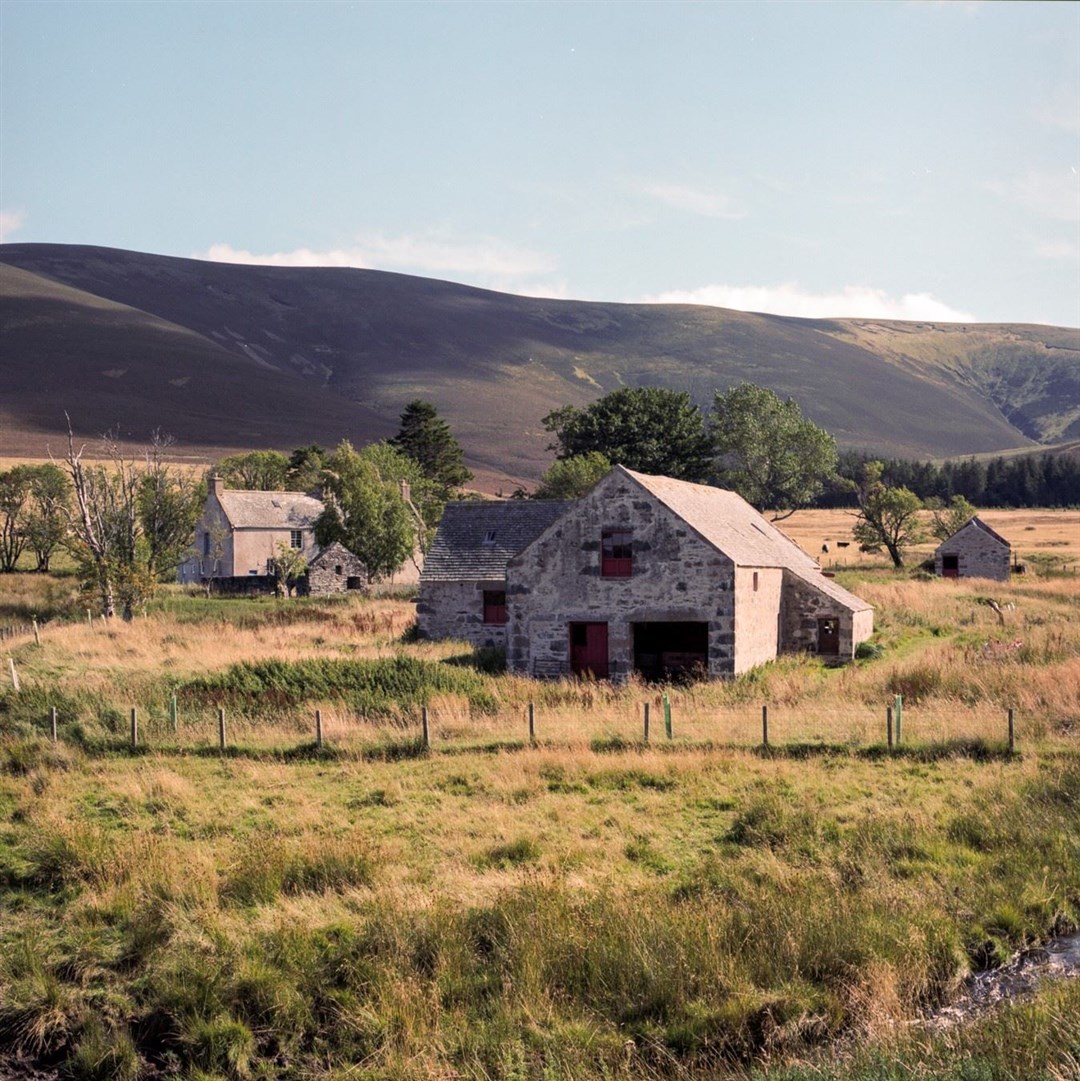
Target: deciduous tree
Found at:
946, 519
650, 429
767, 451
887, 517
571, 478
255, 471
14, 504
47, 520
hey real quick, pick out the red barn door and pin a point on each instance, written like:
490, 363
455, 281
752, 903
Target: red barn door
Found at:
589, 649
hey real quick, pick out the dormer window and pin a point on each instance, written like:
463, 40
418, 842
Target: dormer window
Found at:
616, 556
489, 539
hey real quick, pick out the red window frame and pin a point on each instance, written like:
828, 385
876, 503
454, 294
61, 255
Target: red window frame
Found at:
495, 606
616, 554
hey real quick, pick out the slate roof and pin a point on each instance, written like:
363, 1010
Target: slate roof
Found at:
459, 552
979, 524
726, 521
269, 510
337, 553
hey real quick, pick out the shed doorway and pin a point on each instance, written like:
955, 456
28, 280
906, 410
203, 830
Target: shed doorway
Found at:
589, 649
950, 566
828, 635
671, 651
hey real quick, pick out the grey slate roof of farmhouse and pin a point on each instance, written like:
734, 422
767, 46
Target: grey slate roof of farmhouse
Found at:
459, 552
726, 521
269, 510
979, 524
337, 553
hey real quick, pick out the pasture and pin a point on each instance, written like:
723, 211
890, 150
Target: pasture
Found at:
584, 905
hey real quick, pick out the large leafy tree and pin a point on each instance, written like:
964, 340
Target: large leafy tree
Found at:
14, 504
948, 518
47, 520
650, 429
426, 438
256, 470
767, 451
887, 517
571, 478
367, 509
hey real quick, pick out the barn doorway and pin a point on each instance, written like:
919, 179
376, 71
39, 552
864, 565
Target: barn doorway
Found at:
950, 566
589, 649
671, 651
828, 635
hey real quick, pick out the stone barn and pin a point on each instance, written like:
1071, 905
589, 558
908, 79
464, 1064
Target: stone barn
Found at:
463, 584
974, 551
335, 570
644, 574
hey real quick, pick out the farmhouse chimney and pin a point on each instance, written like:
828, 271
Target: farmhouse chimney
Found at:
216, 487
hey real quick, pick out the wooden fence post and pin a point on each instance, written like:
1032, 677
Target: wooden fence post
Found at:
898, 708
888, 726
318, 728
89, 619
532, 722
37, 634
425, 730
667, 718
646, 711
52, 722
14, 674
221, 728
134, 727
1012, 733
172, 713
764, 726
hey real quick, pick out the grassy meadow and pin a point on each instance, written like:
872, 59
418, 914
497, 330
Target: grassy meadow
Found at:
587, 906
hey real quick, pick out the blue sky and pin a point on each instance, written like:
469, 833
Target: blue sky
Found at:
908, 160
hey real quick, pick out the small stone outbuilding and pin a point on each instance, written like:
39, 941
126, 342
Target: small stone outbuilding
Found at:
335, 570
974, 551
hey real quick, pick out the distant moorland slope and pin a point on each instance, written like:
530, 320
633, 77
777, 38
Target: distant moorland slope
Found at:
227, 356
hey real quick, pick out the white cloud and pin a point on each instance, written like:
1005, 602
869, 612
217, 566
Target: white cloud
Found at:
853, 301
1060, 108
707, 204
1056, 249
485, 257
11, 221
1049, 194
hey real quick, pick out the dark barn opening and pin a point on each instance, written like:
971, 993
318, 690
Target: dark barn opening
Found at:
666, 651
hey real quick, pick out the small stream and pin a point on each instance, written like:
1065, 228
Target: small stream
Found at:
1018, 979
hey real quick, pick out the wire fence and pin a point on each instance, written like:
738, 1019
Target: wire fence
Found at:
454, 728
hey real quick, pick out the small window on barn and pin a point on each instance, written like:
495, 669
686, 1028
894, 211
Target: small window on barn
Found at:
337, 568
296, 538
616, 557
489, 539
755, 581
206, 544
494, 605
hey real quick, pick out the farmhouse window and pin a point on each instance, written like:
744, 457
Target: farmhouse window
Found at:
494, 605
296, 538
206, 544
755, 581
616, 557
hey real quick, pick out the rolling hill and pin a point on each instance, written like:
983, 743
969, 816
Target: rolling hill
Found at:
227, 356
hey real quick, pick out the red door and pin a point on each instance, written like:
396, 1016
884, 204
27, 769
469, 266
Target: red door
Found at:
589, 649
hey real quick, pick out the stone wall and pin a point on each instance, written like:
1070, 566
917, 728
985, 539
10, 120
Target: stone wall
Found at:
800, 611
979, 554
456, 610
676, 577
757, 615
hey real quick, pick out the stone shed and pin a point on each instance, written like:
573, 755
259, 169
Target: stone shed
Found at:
974, 551
335, 570
667, 578
463, 584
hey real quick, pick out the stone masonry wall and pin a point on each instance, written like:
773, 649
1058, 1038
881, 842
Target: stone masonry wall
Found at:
456, 610
556, 581
803, 606
979, 554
